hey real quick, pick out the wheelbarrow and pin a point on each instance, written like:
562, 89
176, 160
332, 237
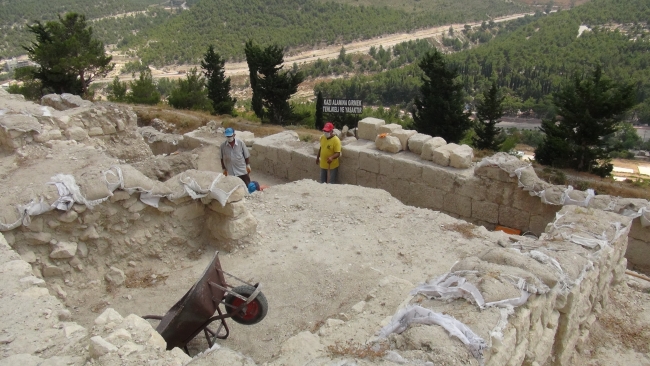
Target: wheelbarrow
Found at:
195, 311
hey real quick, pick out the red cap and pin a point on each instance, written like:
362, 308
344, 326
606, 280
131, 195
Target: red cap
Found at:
329, 127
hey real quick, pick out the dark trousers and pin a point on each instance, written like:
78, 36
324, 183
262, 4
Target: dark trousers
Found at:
334, 175
245, 178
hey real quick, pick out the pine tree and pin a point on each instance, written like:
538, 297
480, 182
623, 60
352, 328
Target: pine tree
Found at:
271, 87
190, 93
217, 84
68, 56
590, 108
439, 110
320, 122
117, 90
488, 113
143, 90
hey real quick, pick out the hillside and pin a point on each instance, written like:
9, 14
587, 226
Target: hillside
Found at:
532, 61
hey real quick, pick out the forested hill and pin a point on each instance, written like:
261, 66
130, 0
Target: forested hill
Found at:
228, 24
13, 12
533, 61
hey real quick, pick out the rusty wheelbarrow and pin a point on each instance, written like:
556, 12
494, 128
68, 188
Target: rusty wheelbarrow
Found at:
195, 311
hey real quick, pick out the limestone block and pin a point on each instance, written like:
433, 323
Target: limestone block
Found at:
424, 196
28, 256
347, 174
511, 217
442, 154
350, 156
471, 187
495, 173
237, 195
407, 169
284, 155
108, 129
389, 128
438, 177
234, 209
76, 133
461, 157
129, 348
537, 224
458, 204
369, 161
89, 233
388, 143
82, 250
64, 250
226, 228
281, 170
430, 145
191, 210
366, 179
115, 276
502, 349
73, 330
499, 193
398, 188
486, 211
137, 206
95, 131
109, 315
99, 347
404, 136
119, 195
386, 162
416, 143
246, 136
156, 340
38, 238
50, 270
55, 134
69, 216
368, 128
44, 136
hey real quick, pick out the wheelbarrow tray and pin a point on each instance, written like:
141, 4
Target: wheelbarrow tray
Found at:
190, 314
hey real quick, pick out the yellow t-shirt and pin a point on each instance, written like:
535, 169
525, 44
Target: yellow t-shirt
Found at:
329, 147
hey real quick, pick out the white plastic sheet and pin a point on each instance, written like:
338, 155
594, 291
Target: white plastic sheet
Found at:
419, 315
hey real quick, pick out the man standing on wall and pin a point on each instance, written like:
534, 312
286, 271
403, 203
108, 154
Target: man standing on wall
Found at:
328, 155
234, 157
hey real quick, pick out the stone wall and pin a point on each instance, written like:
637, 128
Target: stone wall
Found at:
487, 195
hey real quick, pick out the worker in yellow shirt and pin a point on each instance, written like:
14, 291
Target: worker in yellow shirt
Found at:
328, 155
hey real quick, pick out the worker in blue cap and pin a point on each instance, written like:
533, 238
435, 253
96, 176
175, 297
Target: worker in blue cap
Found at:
234, 157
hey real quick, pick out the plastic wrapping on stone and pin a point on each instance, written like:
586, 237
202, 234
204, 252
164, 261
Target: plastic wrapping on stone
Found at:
415, 314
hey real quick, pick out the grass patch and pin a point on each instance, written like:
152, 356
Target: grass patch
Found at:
143, 278
356, 350
464, 228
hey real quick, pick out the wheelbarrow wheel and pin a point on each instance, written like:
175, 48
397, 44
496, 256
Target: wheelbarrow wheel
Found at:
252, 313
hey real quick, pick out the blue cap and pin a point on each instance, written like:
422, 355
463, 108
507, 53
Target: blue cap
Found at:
253, 186
229, 132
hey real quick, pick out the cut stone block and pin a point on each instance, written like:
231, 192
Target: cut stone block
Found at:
367, 128
461, 157
430, 145
404, 136
441, 155
389, 128
388, 143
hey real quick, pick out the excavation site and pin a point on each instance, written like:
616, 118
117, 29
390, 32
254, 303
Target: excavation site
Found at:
123, 244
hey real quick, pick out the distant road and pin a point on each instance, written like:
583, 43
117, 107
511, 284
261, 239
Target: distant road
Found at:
330, 52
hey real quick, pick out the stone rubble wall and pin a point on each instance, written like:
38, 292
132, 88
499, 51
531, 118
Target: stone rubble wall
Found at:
60, 117
39, 330
486, 195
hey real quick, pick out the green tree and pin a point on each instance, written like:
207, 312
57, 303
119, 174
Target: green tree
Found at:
217, 84
190, 93
320, 122
117, 90
590, 108
68, 56
253, 59
272, 86
439, 110
488, 112
31, 88
143, 90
